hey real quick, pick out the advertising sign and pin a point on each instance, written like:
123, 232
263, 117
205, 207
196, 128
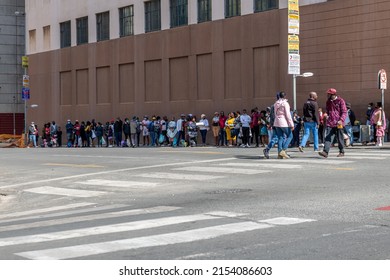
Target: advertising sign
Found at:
25, 93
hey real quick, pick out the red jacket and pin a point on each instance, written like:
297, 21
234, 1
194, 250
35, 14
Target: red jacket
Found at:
337, 111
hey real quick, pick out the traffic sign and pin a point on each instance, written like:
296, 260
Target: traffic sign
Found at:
25, 93
26, 81
25, 61
382, 79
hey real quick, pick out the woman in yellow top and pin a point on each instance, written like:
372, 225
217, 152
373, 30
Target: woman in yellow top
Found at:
229, 127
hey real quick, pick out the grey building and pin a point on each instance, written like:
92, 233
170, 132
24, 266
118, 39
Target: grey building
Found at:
12, 48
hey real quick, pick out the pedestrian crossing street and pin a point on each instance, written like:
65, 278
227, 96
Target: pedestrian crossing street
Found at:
114, 228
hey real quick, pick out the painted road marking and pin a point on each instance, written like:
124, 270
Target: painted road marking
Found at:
64, 191
260, 165
283, 221
43, 210
178, 176
74, 165
89, 217
225, 170
45, 181
316, 160
106, 229
386, 208
121, 184
142, 242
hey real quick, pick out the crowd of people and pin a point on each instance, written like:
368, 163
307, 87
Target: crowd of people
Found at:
276, 124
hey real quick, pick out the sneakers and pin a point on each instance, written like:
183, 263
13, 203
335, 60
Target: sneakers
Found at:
266, 153
283, 154
300, 148
340, 155
323, 154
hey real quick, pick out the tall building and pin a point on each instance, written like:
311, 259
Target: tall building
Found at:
103, 59
12, 48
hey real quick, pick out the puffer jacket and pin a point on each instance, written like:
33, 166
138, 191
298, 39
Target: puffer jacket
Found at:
282, 114
337, 111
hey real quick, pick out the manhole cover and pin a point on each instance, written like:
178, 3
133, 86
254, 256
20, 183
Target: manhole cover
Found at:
230, 191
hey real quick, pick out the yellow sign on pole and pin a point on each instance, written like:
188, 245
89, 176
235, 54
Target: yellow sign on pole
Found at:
293, 16
25, 61
293, 44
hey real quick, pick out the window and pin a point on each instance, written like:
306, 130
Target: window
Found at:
103, 26
82, 30
65, 34
126, 21
265, 5
46, 37
204, 10
179, 12
232, 8
152, 16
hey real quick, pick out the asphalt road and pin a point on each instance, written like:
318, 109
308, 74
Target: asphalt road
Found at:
193, 203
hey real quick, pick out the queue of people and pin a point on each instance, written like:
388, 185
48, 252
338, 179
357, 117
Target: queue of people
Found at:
276, 125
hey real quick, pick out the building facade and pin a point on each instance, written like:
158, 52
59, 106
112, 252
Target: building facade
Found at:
12, 48
103, 59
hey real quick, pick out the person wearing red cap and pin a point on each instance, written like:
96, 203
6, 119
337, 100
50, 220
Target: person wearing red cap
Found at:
337, 112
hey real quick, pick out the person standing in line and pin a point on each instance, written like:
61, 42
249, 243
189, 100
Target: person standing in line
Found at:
180, 126
255, 126
284, 125
215, 127
133, 132
379, 119
337, 113
311, 120
245, 120
203, 128
69, 133
222, 132
349, 122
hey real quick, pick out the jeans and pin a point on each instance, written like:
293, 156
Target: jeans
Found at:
273, 139
222, 137
203, 133
338, 133
310, 126
33, 139
245, 135
348, 128
284, 137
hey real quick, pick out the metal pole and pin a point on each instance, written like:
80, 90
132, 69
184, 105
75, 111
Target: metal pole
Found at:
14, 109
383, 99
295, 90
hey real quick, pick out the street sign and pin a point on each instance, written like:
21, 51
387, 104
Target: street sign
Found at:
25, 61
293, 16
26, 81
293, 44
294, 64
382, 79
25, 93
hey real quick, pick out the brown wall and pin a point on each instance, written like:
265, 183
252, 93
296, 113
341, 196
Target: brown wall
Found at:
225, 65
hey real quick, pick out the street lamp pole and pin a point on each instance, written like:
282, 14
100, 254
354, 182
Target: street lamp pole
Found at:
304, 75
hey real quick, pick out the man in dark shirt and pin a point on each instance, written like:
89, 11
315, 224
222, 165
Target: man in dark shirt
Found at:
311, 121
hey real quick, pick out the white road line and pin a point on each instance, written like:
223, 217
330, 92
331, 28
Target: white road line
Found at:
44, 210
142, 242
325, 161
261, 165
178, 176
64, 191
66, 213
106, 229
88, 217
283, 221
362, 157
225, 170
121, 184
113, 171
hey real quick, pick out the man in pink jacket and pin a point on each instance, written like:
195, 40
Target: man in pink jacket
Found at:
283, 124
337, 112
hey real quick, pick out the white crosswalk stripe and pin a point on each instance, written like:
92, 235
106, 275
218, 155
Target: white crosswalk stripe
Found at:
64, 191
121, 184
229, 223
178, 176
263, 165
225, 170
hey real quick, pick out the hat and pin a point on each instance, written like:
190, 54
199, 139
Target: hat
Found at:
216, 113
203, 115
153, 118
348, 104
331, 91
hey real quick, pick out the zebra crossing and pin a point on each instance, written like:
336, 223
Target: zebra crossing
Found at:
103, 231
206, 172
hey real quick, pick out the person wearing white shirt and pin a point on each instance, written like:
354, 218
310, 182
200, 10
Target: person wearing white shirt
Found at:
203, 128
245, 120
